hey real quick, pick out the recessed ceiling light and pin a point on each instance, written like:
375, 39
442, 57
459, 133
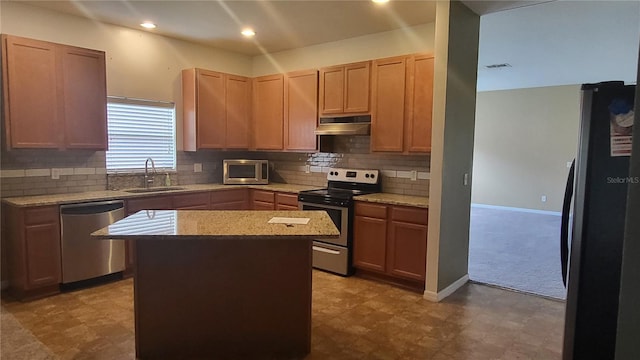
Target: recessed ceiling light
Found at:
380, 1
248, 32
148, 25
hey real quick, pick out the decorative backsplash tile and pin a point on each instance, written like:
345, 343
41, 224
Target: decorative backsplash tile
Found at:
30, 172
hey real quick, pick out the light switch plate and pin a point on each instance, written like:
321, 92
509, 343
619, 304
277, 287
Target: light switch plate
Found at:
197, 167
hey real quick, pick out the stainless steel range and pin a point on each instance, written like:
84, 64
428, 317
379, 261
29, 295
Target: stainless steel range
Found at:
334, 255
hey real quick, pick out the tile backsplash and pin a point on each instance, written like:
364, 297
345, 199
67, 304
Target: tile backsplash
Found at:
29, 172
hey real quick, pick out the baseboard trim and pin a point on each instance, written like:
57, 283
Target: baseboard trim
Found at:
508, 208
440, 295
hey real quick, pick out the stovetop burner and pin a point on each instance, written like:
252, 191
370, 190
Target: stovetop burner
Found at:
343, 185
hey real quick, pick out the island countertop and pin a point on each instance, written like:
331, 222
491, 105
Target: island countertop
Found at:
234, 224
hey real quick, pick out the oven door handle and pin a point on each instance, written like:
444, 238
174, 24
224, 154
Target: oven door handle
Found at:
324, 250
323, 206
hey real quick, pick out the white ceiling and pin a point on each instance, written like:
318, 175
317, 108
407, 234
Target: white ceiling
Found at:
546, 43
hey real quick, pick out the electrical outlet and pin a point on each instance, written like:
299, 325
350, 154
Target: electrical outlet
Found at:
543, 198
55, 174
414, 175
307, 169
197, 167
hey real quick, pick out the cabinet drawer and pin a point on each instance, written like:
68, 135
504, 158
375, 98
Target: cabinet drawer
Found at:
287, 199
264, 196
371, 210
410, 215
226, 196
200, 199
41, 215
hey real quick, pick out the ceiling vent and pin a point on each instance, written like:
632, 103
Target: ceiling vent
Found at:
498, 66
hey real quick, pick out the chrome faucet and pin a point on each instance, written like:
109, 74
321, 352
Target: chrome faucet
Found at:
148, 181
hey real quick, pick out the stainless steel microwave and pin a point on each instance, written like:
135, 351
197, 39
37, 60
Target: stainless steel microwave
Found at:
240, 172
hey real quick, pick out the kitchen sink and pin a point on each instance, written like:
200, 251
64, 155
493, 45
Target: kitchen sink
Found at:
153, 189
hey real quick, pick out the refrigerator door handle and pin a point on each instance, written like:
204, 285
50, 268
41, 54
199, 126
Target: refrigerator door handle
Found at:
564, 225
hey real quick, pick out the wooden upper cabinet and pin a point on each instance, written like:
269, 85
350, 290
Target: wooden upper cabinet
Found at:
216, 110
332, 90
54, 95
268, 109
203, 95
357, 79
388, 104
85, 91
420, 107
238, 112
344, 89
300, 110
402, 102
31, 96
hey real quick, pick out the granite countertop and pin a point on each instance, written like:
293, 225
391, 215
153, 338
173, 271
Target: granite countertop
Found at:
70, 198
198, 224
395, 199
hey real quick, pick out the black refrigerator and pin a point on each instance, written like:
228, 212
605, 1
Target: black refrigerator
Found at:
592, 238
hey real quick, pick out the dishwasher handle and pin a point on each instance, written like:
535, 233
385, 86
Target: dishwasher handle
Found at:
91, 207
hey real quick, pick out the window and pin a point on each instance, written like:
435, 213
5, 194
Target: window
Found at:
140, 129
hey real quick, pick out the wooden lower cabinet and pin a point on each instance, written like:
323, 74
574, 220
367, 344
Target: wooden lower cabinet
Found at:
192, 201
262, 200
369, 248
235, 199
273, 200
390, 241
285, 201
33, 250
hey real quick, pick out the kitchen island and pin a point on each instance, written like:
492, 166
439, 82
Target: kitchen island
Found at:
222, 284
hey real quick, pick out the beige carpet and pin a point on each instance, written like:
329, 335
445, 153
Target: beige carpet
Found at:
19, 343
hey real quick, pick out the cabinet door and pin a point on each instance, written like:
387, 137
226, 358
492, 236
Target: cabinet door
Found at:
268, 112
149, 203
192, 201
356, 84
301, 110
407, 250
331, 90
85, 98
236, 199
262, 200
369, 243
420, 97
238, 107
31, 93
42, 242
210, 113
286, 201
388, 104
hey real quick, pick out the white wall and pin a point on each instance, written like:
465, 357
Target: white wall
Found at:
523, 141
391, 43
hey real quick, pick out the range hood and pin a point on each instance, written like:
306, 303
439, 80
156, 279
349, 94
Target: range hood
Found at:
349, 125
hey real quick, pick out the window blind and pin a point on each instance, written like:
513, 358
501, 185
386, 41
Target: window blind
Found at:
140, 129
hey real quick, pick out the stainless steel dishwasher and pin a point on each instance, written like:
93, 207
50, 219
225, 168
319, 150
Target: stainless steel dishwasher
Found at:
83, 257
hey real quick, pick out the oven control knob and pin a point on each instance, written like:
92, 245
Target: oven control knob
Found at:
366, 175
372, 175
336, 173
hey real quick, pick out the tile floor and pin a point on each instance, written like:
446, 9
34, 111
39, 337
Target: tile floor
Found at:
353, 318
